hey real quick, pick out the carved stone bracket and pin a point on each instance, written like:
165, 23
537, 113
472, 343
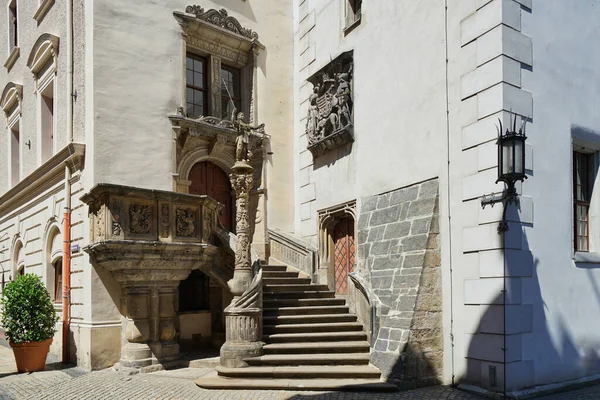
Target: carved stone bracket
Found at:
330, 119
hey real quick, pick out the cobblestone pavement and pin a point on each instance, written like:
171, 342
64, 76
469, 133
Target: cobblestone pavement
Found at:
74, 383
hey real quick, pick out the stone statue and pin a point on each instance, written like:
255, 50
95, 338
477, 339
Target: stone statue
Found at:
243, 150
313, 114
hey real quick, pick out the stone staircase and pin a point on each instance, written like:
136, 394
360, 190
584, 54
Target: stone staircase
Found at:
312, 341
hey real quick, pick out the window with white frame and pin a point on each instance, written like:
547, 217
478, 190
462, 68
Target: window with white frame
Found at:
584, 175
47, 121
15, 155
352, 14
13, 31
10, 103
43, 62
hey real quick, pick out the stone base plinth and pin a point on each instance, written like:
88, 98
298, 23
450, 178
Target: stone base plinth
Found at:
234, 354
137, 355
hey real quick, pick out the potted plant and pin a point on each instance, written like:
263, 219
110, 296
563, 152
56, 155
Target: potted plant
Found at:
29, 321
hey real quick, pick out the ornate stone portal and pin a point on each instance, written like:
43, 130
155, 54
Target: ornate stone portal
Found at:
329, 123
243, 317
150, 241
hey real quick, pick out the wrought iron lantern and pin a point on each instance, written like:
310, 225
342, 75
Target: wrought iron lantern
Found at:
511, 167
511, 156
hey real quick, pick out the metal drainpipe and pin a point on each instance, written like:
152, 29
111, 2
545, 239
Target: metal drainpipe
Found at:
66, 268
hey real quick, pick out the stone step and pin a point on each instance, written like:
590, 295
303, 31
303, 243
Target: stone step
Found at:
273, 268
294, 288
280, 274
306, 372
310, 359
285, 281
317, 347
322, 327
307, 319
306, 310
315, 337
308, 294
272, 303
354, 385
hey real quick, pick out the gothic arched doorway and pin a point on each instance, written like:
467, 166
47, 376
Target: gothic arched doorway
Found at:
208, 179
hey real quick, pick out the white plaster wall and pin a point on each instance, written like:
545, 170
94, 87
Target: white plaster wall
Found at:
564, 81
399, 101
54, 23
138, 83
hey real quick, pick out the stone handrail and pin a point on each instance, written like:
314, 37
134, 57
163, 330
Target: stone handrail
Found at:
292, 251
365, 304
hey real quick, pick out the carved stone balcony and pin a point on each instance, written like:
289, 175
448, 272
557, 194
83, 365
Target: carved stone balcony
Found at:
149, 240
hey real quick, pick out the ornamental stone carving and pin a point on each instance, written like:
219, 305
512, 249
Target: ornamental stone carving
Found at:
185, 222
164, 220
329, 123
116, 217
221, 19
139, 218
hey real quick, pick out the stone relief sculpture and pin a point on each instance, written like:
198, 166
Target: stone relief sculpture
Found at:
140, 216
243, 148
185, 222
330, 104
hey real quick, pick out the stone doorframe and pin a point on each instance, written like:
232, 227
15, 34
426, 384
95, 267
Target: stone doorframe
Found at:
328, 218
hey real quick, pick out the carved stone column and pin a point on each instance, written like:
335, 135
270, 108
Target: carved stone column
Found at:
242, 180
243, 317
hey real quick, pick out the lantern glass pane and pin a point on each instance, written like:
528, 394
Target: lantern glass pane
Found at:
508, 163
519, 157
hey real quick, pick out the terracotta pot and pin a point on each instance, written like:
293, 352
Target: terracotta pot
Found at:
31, 356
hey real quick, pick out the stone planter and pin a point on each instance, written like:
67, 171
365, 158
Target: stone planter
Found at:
31, 356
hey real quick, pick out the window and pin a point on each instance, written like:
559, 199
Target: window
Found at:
196, 88
47, 121
15, 153
583, 184
231, 91
353, 13
12, 26
58, 280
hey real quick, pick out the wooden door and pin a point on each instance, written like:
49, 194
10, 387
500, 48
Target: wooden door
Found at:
210, 180
344, 250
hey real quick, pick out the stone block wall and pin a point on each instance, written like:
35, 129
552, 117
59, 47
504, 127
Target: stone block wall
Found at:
399, 253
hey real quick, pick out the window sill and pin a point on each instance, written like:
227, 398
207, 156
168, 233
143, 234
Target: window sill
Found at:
351, 27
12, 58
584, 257
42, 10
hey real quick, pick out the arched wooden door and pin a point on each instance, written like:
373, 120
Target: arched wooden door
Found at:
343, 253
210, 180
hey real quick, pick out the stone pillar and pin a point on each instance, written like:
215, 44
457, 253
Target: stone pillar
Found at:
243, 317
242, 180
149, 323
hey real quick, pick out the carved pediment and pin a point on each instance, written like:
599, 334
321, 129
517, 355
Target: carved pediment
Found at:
221, 19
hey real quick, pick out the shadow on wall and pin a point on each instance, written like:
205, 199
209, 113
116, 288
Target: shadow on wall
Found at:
522, 329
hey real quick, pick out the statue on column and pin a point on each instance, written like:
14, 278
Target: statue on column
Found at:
243, 148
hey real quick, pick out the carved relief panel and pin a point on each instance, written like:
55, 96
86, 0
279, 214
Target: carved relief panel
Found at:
330, 119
